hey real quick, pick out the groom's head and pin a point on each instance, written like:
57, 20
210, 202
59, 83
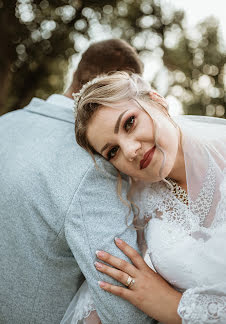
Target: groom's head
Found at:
103, 57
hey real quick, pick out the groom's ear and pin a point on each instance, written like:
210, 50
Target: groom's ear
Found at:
156, 97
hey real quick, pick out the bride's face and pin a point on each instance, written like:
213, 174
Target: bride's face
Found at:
126, 137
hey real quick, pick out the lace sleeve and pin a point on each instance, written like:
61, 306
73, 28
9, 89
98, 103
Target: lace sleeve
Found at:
81, 309
203, 305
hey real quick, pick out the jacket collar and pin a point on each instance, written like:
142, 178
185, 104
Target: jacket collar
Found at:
45, 108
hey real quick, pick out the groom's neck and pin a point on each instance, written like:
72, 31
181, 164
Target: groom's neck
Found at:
68, 93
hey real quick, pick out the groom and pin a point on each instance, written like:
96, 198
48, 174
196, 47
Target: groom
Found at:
56, 208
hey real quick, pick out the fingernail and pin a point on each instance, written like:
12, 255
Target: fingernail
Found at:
98, 265
100, 254
118, 240
101, 284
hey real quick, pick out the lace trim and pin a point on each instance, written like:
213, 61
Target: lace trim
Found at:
221, 208
201, 309
201, 206
81, 307
87, 312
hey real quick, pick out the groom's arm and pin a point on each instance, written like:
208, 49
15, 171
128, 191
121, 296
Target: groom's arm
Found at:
96, 216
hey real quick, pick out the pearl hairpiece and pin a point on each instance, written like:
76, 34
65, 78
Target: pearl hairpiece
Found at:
77, 96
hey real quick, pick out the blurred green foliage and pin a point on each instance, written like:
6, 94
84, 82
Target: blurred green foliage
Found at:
39, 37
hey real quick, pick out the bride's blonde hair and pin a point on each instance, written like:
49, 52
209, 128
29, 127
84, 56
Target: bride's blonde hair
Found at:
108, 90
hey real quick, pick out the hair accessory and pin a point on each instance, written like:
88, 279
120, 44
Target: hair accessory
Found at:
78, 95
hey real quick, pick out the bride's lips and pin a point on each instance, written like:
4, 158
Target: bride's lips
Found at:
147, 158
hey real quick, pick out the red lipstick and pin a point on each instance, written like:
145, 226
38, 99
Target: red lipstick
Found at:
147, 158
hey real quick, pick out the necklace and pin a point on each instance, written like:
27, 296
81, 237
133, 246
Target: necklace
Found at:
178, 192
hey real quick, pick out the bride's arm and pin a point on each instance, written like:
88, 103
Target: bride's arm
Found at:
93, 318
154, 296
150, 292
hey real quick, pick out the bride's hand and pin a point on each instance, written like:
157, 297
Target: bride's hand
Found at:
149, 292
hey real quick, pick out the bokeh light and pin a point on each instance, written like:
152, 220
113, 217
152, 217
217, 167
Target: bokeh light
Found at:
184, 62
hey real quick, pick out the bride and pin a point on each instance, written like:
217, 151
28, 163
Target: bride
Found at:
177, 169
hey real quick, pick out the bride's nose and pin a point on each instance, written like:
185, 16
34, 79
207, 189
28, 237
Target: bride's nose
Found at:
131, 150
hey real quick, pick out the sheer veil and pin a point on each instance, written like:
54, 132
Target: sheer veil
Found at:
204, 146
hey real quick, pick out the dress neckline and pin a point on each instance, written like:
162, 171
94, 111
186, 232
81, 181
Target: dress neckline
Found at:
178, 191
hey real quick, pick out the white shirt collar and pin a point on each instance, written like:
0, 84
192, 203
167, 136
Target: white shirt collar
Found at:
61, 100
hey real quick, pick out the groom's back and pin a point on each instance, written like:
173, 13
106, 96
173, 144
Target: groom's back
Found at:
40, 171
49, 189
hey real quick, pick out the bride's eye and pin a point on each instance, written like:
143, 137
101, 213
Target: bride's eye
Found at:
129, 123
112, 152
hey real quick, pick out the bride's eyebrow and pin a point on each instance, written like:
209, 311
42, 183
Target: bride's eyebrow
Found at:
118, 122
115, 130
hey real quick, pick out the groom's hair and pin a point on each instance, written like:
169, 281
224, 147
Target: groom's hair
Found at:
103, 57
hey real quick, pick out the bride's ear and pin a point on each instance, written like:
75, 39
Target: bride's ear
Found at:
156, 97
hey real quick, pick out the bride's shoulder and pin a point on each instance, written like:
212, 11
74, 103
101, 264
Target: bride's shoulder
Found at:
148, 196
143, 190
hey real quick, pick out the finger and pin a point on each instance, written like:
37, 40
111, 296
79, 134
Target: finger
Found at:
112, 272
124, 293
132, 254
117, 263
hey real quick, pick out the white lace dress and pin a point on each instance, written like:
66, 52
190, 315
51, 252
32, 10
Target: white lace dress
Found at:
186, 248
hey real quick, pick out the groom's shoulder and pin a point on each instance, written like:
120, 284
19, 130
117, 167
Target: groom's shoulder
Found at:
45, 135
37, 109
45, 108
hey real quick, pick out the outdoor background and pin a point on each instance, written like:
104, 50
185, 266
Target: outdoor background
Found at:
41, 42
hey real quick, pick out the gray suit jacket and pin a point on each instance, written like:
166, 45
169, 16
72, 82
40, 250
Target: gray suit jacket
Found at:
56, 210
